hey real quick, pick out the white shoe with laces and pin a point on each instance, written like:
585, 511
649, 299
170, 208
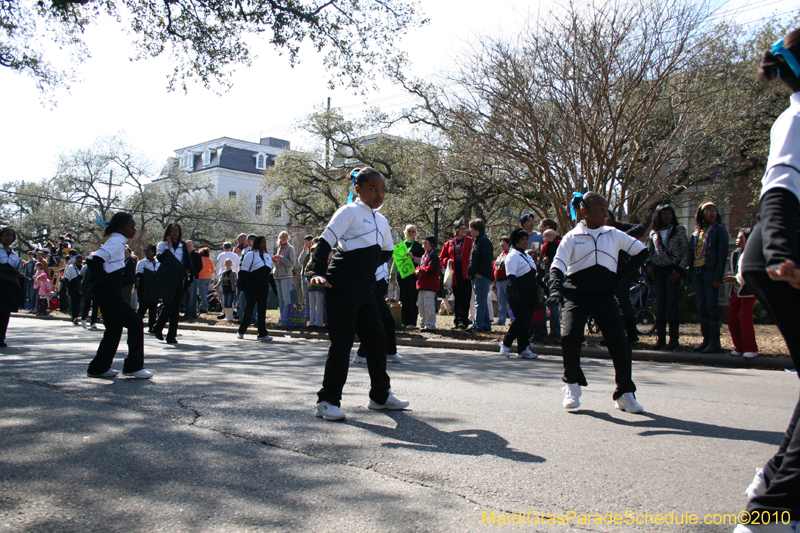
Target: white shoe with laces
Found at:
393, 358
527, 354
328, 411
110, 373
736, 353
572, 391
758, 485
392, 402
505, 350
239, 335
265, 338
750, 355
359, 359
627, 402
139, 374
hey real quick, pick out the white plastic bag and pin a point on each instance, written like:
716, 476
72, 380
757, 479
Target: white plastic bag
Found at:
448, 277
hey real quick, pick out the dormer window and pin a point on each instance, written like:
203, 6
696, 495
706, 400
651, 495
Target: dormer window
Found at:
187, 161
261, 161
207, 156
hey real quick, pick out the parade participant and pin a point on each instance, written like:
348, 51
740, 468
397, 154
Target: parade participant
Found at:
362, 240
105, 267
770, 270
381, 288
456, 254
11, 280
145, 273
583, 274
255, 276
521, 293
176, 266
709, 242
668, 262
72, 279
622, 290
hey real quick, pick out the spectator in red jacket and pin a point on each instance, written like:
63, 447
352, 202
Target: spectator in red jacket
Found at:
455, 254
428, 284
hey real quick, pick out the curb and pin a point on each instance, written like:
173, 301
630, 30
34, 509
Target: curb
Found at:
724, 360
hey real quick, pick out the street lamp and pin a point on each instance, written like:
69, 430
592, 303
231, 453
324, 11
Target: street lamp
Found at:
437, 204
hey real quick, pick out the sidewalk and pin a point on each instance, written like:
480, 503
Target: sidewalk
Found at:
724, 360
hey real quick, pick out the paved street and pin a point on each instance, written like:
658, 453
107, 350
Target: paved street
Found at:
223, 439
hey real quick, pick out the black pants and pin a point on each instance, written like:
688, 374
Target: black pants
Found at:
74, 302
89, 304
255, 299
462, 294
170, 311
152, 309
776, 238
520, 328
666, 295
118, 314
5, 316
381, 287
351, 310
408, 299
605, 312
623, 293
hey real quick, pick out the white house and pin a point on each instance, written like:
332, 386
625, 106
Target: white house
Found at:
233, 166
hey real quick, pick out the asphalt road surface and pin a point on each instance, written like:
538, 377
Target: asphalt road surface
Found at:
223, 439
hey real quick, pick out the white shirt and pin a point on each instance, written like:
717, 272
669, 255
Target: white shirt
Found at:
518, 263
145, 264
163, 245
71, 272
113, 252
783, 164
253, 261
583, 248
11, 258
356, 225
221, 263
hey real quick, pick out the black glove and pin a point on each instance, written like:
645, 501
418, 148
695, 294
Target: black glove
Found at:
555, 283
512, 291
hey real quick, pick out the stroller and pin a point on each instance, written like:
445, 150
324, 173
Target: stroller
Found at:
642, 297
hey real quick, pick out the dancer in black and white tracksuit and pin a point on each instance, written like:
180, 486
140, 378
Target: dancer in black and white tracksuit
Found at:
106, 268
521, 294
584, 274
771, 271
364, 242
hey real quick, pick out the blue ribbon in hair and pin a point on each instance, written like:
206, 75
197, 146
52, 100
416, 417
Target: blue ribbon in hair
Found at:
779, 50
98, 220
353, 175
575, 204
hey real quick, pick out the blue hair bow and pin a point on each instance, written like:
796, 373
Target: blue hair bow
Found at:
98, 220
779, 50
353, 175
575, 204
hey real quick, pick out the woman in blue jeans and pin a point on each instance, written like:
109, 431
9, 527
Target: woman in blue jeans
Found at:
709, 244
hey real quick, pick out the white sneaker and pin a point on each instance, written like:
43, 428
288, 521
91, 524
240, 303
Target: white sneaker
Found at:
83, 323
77, 322
758, 486
110, 373
736, 353
789, 527
328, 411
93, 326
239, 335
750, 355
572, 391
505, 350
359, 359
527, 354
627, 402
393, 358
392, 402
265, 338
139, 374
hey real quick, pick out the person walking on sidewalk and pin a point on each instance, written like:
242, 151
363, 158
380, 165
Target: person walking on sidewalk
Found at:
106, 268
771, 270
710, 246
669, 255
583, 275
